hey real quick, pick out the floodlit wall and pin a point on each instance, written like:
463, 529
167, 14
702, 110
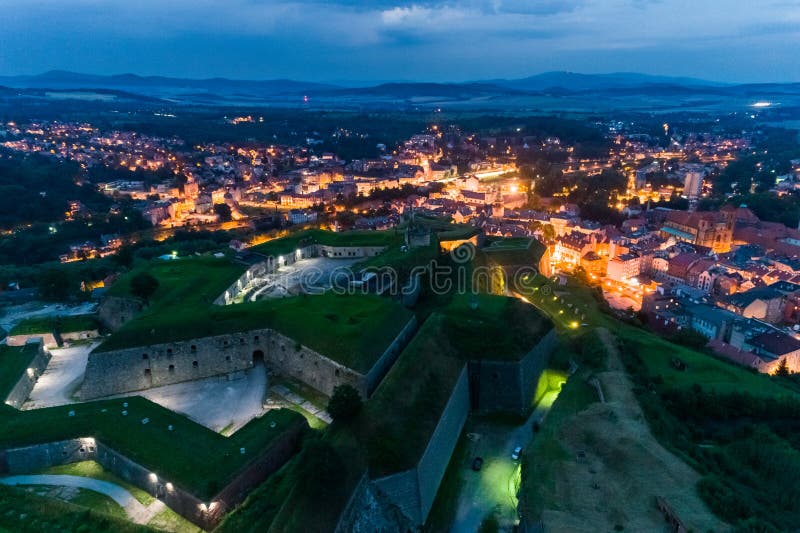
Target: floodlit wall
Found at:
31, 459
27, 380
509, 385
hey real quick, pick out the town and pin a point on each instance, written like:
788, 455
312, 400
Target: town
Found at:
723, 274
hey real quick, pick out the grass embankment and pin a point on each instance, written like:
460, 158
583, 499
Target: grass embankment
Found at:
23, 512
14, 360
290, 243
739, 429
50, 324
492, 327
94, 470
199, 459
351, 329
399, 419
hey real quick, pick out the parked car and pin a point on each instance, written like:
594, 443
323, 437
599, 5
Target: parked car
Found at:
477, 463
516, 453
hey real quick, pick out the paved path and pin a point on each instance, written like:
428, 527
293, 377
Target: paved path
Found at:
301, 402
62, 377
137, 512
493, 488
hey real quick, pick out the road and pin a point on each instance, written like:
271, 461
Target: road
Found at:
494, 487
137, 512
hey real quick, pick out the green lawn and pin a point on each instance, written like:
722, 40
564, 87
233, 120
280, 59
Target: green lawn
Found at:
185, 282
23, 512
94, 470
351, 329
702, 369
198, 459
99, 502
290, 243
63, 324
14, 360
498, 328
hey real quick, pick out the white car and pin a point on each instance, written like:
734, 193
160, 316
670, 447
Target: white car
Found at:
516, 453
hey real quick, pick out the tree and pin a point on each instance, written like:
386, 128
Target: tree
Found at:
345, 403
54, 284
783, 368
144, 285
223, 211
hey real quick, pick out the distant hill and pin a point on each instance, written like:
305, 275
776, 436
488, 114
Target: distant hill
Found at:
157, 85
573, 81
548, 89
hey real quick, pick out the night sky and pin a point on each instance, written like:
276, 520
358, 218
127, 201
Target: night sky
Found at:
723, 40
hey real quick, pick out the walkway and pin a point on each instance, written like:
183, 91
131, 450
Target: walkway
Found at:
494, 487
137, 512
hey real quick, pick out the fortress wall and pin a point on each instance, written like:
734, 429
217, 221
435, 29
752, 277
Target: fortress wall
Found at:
288, 357
27, 380
390, 355
509, 385
414, 490
114, 311
143, 367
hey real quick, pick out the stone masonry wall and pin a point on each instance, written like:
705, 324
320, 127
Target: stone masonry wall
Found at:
31, 459
27, 380
390, 355
288, 357
413, 491
509, 385
114, 311
143, 367
21, 340
433, 464
272, 263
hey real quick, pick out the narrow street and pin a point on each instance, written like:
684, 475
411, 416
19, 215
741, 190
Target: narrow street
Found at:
493, 488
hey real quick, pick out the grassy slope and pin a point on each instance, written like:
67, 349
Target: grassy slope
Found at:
400, 417
23, 512
289, 244
64, 324
199, 459
353, 330
13, 362
500, 328
94, 470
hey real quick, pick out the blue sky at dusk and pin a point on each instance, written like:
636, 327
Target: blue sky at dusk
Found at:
315, 40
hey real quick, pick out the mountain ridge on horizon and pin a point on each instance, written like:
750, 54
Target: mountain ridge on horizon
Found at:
547, 77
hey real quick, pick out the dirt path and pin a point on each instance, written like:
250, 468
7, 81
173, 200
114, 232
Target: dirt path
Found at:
617, 469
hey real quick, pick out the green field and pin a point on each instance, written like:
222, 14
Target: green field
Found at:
183, 283
94, 470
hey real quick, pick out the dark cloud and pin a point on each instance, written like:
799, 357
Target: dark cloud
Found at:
385, 39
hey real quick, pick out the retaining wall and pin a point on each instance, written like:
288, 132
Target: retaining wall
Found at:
414, 490
509, 385
115, 311
20, 392
31, 459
